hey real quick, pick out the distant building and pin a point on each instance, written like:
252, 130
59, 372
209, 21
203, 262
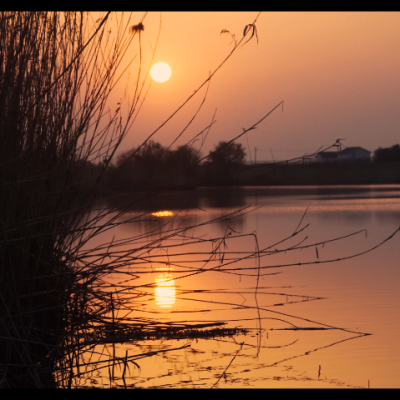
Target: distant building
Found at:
354, 154
350, 154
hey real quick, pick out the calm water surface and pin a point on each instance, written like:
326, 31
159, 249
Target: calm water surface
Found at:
359, 294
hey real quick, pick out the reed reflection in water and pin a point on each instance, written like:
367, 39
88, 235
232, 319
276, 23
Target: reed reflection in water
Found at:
359, 294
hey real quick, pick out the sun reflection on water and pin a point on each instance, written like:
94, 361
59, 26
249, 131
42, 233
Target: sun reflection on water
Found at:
165, 290
162, 213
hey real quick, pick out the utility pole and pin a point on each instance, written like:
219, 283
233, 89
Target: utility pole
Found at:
255, 155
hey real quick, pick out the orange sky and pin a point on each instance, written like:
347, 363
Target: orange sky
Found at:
338, 74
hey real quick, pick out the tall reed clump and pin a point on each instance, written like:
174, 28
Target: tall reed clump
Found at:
56, 73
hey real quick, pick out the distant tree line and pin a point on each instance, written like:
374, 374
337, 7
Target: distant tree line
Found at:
387, 154
152, 165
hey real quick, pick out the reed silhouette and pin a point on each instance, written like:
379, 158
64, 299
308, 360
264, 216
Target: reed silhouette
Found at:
57, 71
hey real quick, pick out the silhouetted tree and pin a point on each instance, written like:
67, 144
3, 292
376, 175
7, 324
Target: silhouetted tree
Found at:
184, 156
223, 160
183, 164
141, 166
227, 154
387, 154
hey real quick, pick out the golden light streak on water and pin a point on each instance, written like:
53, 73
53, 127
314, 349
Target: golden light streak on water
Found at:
162, 213
165, 290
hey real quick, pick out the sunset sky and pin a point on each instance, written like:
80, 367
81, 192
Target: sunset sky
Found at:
338, 74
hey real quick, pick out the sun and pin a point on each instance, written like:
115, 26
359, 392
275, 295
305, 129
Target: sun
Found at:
160, 72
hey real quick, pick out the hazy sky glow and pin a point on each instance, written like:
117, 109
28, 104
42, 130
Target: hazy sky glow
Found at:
338, 74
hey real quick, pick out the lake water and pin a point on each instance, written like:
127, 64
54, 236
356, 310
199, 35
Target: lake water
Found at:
306, 308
